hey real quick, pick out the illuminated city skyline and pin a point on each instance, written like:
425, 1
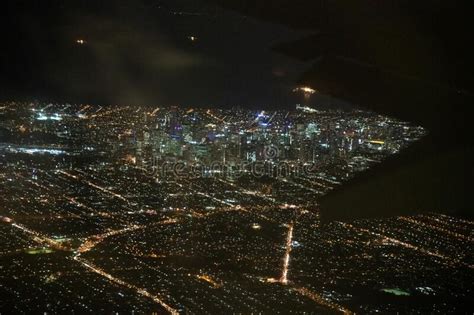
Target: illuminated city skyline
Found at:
87, 205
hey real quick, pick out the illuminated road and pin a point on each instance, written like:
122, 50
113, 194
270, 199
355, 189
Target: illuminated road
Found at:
93, 241
286, 259
40, 238
102, 189
248, 192
71, 200
458, 236
140, 291
315, 297
319, 184
321, 300
105, 113
37, 237
300, 186
448, 260
210, 114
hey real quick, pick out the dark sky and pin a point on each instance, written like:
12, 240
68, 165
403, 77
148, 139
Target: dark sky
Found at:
141, 54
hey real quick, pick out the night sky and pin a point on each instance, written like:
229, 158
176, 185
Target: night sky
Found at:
144, 54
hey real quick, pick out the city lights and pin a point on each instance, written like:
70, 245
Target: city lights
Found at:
176, 210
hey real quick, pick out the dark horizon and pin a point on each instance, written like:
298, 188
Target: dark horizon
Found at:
146, 53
